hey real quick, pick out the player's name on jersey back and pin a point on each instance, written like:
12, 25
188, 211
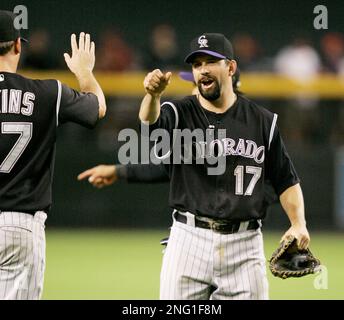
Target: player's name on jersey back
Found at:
16, 101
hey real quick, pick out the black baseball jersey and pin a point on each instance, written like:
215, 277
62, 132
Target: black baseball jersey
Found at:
253, 151
30, 111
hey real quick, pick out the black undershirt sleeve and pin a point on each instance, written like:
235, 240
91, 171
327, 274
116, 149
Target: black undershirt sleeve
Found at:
142, 173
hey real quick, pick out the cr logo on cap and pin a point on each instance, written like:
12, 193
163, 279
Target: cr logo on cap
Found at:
202, 41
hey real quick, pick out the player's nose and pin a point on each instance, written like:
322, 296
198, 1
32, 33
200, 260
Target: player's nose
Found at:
204, 70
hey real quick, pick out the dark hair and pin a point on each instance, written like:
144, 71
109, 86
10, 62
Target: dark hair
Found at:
236, 82
5, 47
235, 79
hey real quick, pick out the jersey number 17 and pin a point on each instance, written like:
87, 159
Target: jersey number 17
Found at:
239, 182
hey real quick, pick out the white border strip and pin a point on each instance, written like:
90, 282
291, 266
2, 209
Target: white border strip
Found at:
273, 125
58, 101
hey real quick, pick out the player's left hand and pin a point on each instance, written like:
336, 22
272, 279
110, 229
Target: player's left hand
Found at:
300, 232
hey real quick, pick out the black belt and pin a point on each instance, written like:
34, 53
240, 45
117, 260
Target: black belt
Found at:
220, 226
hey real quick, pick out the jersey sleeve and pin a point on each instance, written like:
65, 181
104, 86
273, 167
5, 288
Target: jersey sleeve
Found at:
280, 169
78, 107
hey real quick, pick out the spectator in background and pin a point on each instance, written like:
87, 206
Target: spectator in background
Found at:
331, 111
163, 50
114, 54
332, 51
300, 62
250, 54
38, 54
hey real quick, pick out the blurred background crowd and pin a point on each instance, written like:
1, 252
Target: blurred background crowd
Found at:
299, 59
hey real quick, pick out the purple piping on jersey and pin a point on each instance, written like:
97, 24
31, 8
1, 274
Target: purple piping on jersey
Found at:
211, 53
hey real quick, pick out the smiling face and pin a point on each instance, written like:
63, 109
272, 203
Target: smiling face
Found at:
212, 75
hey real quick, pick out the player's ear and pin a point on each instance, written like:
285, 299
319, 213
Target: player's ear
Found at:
232, 67
17, 46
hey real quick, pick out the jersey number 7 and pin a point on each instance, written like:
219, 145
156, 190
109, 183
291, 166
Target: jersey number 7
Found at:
24, 129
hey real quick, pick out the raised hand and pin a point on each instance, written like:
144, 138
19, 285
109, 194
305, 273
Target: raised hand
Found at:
83, 55
156, 82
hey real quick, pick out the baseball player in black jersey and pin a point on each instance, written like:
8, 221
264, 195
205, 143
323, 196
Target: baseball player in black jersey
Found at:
30, 112
215, 250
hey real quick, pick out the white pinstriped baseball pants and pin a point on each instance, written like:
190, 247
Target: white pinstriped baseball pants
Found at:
22, 255
200, 264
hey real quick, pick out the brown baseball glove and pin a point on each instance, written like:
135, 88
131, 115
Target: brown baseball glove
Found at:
290, 261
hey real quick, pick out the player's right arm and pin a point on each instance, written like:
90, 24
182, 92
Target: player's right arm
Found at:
154, 83
81, 63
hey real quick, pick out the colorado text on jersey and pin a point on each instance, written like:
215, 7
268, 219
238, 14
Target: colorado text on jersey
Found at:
190, 145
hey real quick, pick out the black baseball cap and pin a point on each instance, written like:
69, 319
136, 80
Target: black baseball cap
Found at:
8, 32
213, 44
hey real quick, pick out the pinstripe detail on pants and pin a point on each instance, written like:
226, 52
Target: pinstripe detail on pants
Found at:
200, 264
22, 255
